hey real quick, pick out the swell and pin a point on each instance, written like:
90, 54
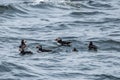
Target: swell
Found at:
101, 21
50, 5
42, 5
90, 4
78, 5
12, 8
100, 5
106, 77
11, 67
86, 13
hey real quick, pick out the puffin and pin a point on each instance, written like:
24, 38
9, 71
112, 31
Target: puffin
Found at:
22, 48
63, 43
92, 47
40, 49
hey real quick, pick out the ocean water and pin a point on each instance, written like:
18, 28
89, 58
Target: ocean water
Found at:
42, 21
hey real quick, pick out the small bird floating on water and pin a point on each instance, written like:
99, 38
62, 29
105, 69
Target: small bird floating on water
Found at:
75, 50
63, 43
22, 48
23, 44
40, 49
91, 46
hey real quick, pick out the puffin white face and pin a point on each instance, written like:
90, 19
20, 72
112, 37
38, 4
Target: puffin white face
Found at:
38, 46
58, 39
25, 41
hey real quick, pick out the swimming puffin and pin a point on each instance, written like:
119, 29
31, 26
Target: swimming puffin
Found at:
75, 50
22, 48
91, 46
63, 43
40, 49
23, 45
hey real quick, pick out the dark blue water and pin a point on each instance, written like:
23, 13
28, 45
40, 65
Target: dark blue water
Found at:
41, 22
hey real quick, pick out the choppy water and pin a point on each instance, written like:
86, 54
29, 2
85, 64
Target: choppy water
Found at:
79, 21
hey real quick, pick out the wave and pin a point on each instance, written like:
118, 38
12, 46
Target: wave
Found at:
67, 74
100, 5
87, 13
101, 21
106, 77
50, 5
79, 5
11, 8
